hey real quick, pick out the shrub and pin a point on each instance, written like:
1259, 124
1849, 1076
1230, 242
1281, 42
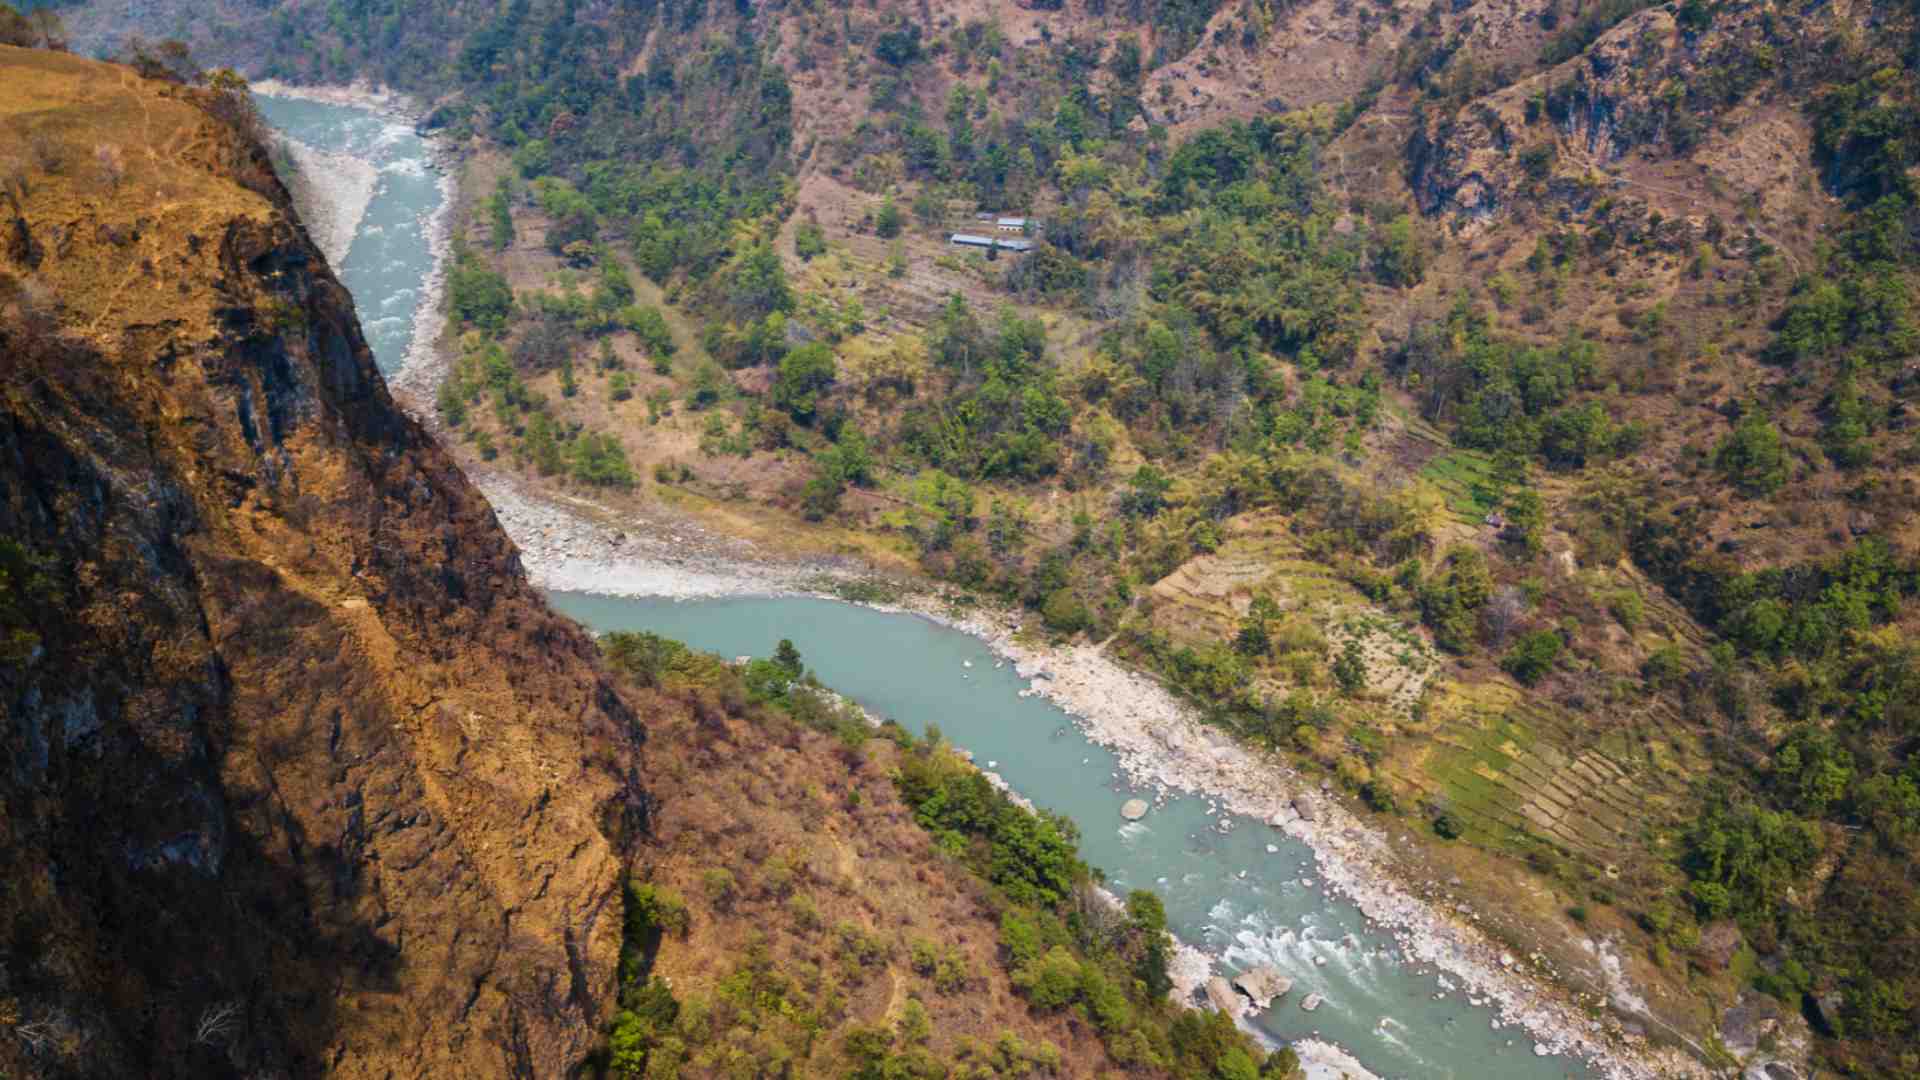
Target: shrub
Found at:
719, 885
1627, 608
1532, 656
887, 222
805, 374
1752, 458
1065, 613
809, 241
1379, 797
1350, 669
1663, 666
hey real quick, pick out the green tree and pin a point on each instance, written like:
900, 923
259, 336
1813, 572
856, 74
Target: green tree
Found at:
23, 588
805, 374
500, 216
1752, 458
1526, 519
600, 460
1398, 258
887, 222
650, 326
809, 241
788, 658
477, 295
1532, 656
1350, 669
1033, 861
760, 283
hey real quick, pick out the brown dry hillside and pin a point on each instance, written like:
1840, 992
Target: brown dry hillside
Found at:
817, 907
301, 776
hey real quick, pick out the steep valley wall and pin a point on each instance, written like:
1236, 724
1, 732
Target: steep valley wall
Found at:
301, 775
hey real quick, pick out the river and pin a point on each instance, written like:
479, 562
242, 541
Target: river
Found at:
1239, 890
390, 264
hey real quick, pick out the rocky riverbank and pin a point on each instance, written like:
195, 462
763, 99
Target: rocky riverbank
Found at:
1165, 748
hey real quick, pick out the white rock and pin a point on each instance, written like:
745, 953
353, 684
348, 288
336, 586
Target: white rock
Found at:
1220, 994
1263, 984
1311, 1002
1134, 809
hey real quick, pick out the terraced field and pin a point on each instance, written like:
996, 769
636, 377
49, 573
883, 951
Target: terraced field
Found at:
1206, 598
1512, 770
1516, 772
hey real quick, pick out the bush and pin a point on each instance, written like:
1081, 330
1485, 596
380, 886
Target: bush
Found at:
887, 222
1065, 613
1379, 797
809, 241
805, 374
719, 885
1752, 458
1532, 657
1350, 669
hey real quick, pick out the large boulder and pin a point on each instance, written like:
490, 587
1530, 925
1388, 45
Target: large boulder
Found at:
1134, 809
1263, 984
1221, 996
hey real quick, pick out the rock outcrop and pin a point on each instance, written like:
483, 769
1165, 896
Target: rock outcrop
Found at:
1220, 995
301, 776
1262, 985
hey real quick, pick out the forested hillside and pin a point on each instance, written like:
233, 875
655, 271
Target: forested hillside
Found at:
1503, 408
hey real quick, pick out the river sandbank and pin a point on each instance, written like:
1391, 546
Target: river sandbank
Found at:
359, 95
332, 192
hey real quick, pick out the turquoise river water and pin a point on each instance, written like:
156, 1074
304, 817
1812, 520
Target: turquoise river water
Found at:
1241, 891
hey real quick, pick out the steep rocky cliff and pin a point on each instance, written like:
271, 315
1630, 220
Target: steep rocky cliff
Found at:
300, 774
